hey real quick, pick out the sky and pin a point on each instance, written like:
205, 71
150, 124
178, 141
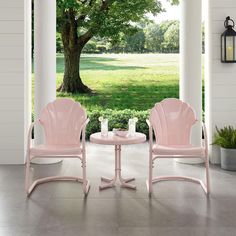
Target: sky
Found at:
172, 12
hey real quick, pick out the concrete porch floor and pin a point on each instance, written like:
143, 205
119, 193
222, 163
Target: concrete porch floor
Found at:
59, 208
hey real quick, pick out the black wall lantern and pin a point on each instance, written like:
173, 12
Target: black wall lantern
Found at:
228, 42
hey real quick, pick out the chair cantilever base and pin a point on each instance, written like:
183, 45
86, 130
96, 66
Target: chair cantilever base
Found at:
57, 178
178, 178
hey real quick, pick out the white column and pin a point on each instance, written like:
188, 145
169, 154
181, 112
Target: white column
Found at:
27, 69
191, 63
44, 57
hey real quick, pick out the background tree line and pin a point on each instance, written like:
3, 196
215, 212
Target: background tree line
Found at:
152, 37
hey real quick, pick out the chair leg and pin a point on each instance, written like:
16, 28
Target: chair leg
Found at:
207, 174
86, 185
27, 173
149, 181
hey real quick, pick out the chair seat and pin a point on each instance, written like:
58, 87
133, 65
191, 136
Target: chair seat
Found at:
182, 150
56, 150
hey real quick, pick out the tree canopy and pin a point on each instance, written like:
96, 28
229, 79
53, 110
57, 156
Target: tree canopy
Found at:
106, 18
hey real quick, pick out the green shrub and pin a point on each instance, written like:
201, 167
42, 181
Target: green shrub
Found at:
225, 137
115, 117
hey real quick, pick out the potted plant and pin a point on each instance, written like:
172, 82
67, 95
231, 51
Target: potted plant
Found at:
226, 139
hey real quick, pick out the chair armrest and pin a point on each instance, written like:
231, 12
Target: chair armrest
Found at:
149, 123
30, 133
85, 123
83, 133
150, 134
205, 135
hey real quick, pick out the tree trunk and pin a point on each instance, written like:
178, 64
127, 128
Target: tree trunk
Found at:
72, 82
73, 46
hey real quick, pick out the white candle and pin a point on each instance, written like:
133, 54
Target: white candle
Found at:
229, 55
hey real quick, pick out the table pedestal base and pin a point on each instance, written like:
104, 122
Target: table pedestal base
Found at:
110, 182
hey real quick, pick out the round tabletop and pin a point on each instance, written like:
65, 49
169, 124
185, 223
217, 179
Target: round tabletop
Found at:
113, 139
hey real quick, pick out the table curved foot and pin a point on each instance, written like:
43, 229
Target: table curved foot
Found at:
127, 180
107, 180
104, 186
125, 185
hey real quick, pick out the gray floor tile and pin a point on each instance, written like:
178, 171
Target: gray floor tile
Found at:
176, 231
80, 213
74, 231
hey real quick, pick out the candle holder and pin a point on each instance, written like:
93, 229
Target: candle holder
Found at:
104, 126
132, 126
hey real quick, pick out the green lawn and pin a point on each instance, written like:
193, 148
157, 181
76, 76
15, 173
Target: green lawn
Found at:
120, 81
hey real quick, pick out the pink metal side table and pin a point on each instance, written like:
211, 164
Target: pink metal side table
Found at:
117, 141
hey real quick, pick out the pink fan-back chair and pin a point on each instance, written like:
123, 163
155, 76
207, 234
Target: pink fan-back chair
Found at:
64, 122
172, 121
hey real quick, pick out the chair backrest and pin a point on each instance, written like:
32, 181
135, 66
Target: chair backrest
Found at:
62, 121
172, 121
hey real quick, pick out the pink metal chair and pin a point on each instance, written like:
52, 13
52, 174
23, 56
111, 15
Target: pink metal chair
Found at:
172, 121
64, 122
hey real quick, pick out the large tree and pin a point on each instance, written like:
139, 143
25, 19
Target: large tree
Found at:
80, 20
155, 35
136, 42
171, 38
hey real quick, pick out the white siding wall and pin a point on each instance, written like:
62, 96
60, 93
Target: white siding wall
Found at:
220, 78
12, 82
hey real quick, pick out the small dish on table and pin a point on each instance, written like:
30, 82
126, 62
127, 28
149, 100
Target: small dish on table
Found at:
121, 132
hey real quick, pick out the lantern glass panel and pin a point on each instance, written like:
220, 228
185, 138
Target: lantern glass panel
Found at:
230, 48
223, 47
234, 48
